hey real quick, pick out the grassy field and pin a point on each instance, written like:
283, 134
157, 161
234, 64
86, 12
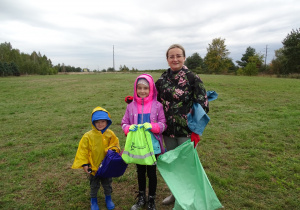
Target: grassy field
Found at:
249, 150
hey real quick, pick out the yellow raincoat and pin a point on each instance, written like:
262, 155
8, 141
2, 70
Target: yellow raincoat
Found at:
93, 146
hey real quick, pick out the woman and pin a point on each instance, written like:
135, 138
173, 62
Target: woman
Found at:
178, 88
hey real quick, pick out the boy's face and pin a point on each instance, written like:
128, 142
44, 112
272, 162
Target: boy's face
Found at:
142, 90
100, 124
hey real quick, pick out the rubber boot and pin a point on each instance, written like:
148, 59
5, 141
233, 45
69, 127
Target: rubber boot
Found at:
151, 203
141, 201
169, 200
94, 204
109, 204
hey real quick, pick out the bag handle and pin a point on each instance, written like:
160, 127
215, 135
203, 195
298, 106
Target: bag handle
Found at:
115, 146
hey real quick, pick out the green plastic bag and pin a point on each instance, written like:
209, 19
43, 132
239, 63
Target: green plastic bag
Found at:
187, 180
138, 147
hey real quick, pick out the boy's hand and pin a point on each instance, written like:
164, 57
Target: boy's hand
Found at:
87, 169
133, 127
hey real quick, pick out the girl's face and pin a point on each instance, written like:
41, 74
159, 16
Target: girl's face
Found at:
142, 90
175, 59
100, 124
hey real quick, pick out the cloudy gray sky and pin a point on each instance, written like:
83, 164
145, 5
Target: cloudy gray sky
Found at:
83, 33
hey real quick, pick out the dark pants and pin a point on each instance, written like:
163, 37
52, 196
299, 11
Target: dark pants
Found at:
95, 185
151, 174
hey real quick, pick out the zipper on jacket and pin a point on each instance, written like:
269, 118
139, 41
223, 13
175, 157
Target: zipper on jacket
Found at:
142, 120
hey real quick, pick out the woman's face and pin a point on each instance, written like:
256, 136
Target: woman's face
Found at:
175, 59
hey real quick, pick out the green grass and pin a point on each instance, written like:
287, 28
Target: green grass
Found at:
249, 150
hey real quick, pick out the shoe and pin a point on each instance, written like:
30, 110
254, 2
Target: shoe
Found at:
141, 201
169, 200
109, 204
151, 203
94, 204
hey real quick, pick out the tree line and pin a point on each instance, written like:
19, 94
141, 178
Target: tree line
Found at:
217, 60
16, 63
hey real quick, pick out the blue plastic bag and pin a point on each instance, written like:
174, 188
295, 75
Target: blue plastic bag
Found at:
111, 166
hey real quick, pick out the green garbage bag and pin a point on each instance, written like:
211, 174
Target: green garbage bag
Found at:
138, 147
187, 180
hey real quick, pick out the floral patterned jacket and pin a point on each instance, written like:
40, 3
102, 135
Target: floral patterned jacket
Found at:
177, 92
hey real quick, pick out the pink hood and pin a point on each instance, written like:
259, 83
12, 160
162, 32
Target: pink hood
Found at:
152, 92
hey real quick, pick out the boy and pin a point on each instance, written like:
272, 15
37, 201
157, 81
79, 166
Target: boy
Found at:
92, 149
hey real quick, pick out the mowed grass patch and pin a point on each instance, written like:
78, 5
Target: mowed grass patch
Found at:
249, 150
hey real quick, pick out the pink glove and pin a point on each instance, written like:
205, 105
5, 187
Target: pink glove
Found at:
155, 128
195, 138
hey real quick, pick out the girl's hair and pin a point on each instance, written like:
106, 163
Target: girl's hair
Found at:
175, 46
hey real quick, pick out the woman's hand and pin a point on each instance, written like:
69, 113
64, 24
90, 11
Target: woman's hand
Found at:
195, 138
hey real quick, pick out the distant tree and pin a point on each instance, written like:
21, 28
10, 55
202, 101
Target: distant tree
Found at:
5, 49
123, 68
278, 63
16, 63
133, 69
250, 69
253, 65
233, 68
291, 51
199, 70
78, 69
194, 61
2, 70
240, 72
63, 68
110, 69
216, 59
14, 69
244, 60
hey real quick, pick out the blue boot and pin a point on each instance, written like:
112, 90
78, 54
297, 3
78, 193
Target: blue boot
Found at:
109, 204
94, 204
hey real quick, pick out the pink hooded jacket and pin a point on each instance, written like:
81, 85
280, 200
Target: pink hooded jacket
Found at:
157, 116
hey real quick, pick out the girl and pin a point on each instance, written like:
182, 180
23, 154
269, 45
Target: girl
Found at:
145, 108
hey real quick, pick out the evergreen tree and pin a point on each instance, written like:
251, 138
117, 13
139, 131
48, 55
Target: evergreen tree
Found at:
194, 61
291, 51
245, 58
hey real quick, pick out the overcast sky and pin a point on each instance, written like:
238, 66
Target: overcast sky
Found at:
83, 33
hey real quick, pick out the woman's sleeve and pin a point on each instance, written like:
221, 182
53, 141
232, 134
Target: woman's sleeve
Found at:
157, 85
200, 93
